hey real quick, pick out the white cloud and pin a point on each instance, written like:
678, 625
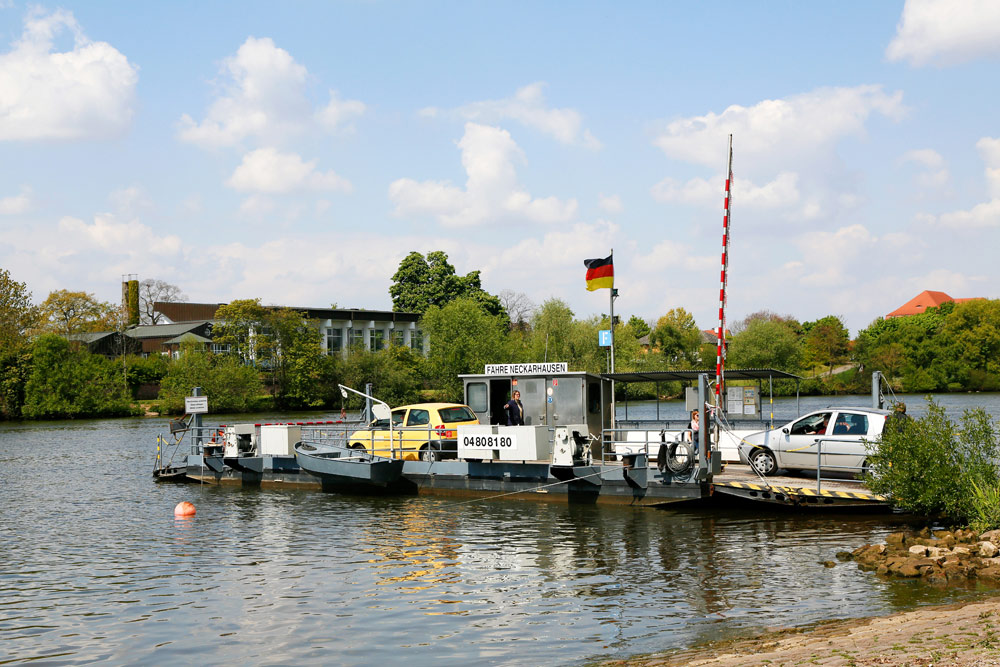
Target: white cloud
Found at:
777, 131
129, 201
339, 113
610, 203
269, 171
264, 98
782, 192
491, 191
935, 173
16, 204
989, 149
528, 106
946, 32
979, 216
830, 258
986, 214
108, 234
86, 93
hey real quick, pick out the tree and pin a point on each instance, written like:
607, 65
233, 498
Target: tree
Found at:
551, 330
17, 313
740, 326
303, 375
826, 340
66, 313
395, 374
420, 283
518, 306
241, 326
464, 338
152, 291
765, 344
638, 326
678, 338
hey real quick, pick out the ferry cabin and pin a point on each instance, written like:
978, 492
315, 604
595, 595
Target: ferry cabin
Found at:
550, 394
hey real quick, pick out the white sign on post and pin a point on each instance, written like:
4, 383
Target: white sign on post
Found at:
196, 405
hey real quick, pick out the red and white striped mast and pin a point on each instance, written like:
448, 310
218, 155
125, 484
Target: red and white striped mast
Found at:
720, 353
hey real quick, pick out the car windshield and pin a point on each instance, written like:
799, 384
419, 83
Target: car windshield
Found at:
459, 413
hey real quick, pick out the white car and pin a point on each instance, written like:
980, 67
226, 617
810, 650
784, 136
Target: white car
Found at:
840, 432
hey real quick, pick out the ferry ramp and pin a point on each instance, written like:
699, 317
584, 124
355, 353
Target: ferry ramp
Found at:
739, 482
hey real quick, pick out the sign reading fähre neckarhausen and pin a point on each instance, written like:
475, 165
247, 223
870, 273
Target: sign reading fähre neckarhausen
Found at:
526, 369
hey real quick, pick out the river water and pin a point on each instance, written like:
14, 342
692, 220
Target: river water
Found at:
96, 568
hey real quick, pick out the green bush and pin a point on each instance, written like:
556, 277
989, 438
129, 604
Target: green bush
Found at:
229, 385
930, 465
73, 383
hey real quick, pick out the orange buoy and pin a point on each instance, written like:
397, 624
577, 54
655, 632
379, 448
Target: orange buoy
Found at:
184, 508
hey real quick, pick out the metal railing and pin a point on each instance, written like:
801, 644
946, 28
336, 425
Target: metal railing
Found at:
858, 471
649, 444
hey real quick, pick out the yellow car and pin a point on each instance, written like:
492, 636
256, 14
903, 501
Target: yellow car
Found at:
424, 431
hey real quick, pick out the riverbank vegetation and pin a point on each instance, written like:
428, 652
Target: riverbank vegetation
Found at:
935, 467
274, 357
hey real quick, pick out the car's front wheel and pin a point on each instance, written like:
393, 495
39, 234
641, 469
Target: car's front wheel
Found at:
358, 445
763, 461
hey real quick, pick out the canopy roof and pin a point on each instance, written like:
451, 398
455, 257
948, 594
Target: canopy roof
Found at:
731, 374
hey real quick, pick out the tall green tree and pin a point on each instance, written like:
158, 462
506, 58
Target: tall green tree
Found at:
971, 338
464, 337
241, 326
17, 313
420, 283
65, 382
826, 340
677, 338
638, 326
302, 375
551, 332
18, 316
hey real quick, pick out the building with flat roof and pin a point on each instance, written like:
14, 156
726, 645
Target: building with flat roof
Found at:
340, 328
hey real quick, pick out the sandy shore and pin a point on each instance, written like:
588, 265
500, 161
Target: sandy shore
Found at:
960, 634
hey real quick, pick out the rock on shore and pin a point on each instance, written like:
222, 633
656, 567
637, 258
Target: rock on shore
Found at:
939, 556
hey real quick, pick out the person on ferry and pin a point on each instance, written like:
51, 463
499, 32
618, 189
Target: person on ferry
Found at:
692, 427
820, 428
514, 409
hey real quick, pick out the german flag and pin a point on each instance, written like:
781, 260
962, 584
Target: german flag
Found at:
600, 273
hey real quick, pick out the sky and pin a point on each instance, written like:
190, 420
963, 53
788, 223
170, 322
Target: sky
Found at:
296, 152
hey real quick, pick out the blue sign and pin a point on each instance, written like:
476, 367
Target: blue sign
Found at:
550, 399
604, 338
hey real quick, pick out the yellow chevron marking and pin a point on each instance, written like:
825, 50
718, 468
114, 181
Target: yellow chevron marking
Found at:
803, 491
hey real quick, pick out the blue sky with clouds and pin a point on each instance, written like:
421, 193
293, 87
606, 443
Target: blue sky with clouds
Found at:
298, 152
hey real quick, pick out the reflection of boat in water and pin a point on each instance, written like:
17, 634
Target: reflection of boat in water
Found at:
348, 469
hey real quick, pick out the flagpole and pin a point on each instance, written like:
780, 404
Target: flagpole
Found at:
720, 355
614, 293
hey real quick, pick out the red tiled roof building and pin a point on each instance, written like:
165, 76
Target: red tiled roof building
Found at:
923, 301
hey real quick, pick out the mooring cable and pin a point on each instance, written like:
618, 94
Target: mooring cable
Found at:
532, 490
